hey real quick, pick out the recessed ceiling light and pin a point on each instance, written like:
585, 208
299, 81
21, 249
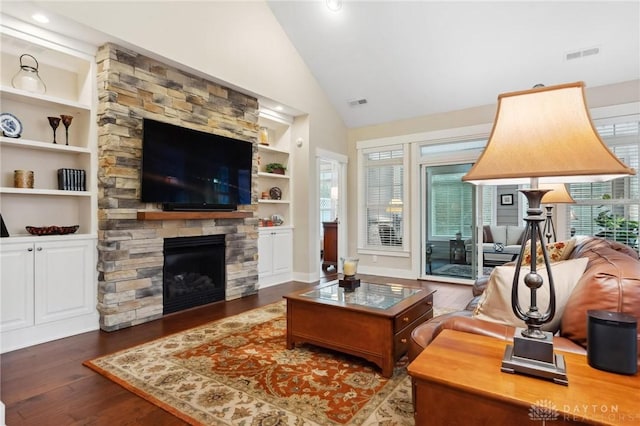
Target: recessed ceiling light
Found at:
39, 17
334, 5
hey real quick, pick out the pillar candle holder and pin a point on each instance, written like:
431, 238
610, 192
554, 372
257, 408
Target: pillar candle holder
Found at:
349, 268
23, 178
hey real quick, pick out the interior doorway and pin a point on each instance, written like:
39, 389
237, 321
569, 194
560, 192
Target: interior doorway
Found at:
332, 226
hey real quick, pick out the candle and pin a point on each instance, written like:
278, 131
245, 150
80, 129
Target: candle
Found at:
349, 267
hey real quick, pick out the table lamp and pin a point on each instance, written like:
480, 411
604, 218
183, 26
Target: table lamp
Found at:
542, 135
557, 194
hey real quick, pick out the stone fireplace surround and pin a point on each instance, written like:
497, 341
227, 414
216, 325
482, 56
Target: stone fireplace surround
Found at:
130, 242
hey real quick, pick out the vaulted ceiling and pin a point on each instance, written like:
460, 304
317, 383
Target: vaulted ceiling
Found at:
380, 61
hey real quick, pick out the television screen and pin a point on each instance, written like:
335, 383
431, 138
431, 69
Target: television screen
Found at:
187, 169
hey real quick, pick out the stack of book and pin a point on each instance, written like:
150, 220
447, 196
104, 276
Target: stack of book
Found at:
72, 179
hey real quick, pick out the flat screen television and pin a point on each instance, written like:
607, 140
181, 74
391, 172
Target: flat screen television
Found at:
186, 169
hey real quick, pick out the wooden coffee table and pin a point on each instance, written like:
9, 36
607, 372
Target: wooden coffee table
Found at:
373, 322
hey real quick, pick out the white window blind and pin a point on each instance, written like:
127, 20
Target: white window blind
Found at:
611, 209
451, 204
383, 172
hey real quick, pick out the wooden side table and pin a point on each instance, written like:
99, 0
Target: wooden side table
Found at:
330, 249
457, 381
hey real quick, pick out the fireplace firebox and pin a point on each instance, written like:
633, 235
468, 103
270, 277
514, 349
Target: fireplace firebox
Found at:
194, 272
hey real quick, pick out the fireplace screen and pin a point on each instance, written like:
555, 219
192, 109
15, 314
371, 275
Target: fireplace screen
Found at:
193, 272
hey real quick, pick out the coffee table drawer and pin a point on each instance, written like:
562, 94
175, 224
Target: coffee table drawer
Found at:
401, 339
413, 313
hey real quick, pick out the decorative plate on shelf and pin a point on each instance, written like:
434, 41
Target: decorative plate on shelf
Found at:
51, 230
10, 125
275, 193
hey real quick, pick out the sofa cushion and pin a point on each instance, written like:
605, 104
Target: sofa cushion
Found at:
495, 303
611, 282
514, 235
560, 250
584, 245
499, 234
506, 234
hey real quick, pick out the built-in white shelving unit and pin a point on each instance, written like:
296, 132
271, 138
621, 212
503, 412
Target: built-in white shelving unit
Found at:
275, 243
48, 283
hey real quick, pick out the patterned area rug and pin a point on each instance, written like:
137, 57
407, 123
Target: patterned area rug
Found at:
463, 271
237, 371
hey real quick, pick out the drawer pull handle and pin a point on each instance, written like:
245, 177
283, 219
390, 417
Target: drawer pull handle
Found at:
405, 319
429, 303
403, 340
30, 249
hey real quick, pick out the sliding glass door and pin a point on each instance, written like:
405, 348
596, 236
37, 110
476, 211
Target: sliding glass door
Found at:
449, 222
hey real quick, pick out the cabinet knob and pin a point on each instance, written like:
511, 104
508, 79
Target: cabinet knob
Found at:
403, 340
39, 249
30, 249
405, 319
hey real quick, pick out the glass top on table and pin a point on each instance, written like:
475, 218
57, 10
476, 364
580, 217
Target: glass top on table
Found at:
370, 295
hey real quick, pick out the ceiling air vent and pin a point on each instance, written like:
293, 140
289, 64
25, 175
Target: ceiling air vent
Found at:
357, 102
582, 53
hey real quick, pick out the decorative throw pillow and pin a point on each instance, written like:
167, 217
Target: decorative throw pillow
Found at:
557, 251
495, 303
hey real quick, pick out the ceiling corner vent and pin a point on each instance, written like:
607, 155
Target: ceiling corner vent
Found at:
582, 53
357, 102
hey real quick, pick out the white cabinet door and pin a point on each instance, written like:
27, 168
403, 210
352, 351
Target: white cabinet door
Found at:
63, 273
275, 255
16, 286
283, 251
265, 253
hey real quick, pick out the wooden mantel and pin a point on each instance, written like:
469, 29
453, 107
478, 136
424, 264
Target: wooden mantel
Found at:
178, 215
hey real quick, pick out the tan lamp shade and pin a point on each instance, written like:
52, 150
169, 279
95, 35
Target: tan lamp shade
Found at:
545, 133
558, 194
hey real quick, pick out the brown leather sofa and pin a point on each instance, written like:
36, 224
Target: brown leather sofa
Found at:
610, 282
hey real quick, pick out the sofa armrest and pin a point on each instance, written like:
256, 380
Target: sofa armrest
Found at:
422, 335
500, 331
480, 285
478, 326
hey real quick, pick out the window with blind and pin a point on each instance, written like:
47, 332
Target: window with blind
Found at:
383, 173
611, 209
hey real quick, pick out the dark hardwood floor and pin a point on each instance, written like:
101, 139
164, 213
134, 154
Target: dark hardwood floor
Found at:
48, 385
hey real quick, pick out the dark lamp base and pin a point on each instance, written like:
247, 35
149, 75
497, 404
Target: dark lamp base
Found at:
534, 357
349, 283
